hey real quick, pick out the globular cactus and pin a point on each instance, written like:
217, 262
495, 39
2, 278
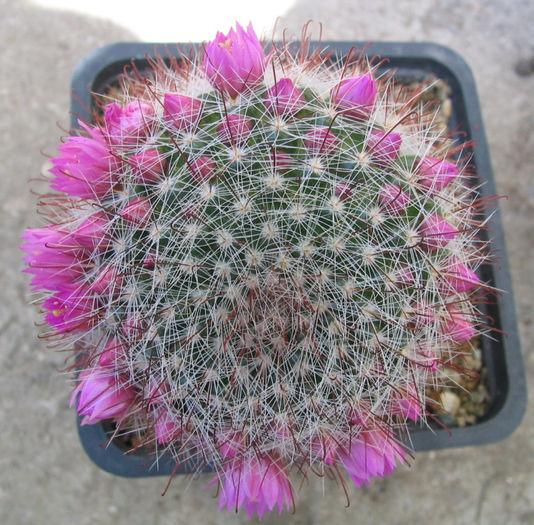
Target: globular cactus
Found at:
263, 261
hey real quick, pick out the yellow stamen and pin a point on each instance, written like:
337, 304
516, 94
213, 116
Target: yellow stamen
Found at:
227, 43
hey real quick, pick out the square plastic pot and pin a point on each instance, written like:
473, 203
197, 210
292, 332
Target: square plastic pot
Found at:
501, 354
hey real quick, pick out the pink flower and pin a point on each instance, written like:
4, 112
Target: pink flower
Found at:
284, 98
92, 232
234, 130
85, 167
372, 453
203, 169
320, 141
129, 125
53, 258
107, 281
148, 165
393, 199
181, 112
436, 174
102, 396
436, 232
355, 96
235, 62
456, 326
459, 278
384, 146
71, 309
137, 211
260, 484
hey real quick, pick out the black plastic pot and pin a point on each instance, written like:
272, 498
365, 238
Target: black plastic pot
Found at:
501, 354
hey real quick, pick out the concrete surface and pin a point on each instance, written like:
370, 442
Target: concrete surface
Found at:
45, 476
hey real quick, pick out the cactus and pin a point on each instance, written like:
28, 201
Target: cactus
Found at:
260, 261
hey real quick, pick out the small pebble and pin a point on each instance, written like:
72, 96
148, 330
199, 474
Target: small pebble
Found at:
450, 402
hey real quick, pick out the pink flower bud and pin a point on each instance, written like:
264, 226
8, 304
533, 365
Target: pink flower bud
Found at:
114, 352
326, 447
404, 277
405, 402
343, 190
383, 146
148, 165
149, 262
92, 233
355, 96
230, 443
166, 428
281, 160
259, 482
138, 211
203, 169
234, 130
102, 396
156, 391
320, 141
421, 315
128, 125
284, 98
235, 62
459, 278
456, 326
107, 281
436, 174
427, 357
181, 112
422, 354
360, 415
436, 232
393, 199
373, 453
